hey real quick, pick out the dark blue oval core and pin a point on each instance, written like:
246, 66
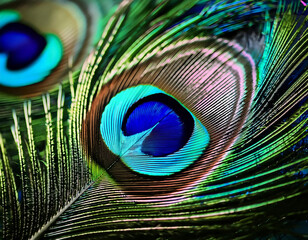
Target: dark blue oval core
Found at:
22, 44
169, 123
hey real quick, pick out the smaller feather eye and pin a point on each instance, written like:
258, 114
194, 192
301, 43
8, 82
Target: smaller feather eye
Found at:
26, 56
153, 131
38, 40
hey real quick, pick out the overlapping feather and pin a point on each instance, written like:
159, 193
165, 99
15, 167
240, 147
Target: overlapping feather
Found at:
258, 189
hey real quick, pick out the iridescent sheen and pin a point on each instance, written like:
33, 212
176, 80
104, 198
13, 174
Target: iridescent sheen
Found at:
143, 149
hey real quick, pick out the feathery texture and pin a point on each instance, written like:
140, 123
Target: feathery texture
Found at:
188, 121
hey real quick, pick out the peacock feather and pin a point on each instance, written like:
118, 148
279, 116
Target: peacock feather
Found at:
187, 121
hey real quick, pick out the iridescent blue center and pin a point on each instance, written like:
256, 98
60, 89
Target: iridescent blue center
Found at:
22, 45
152, 132
170, 124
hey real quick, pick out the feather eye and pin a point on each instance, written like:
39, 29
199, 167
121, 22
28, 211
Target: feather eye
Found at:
160, 117
38, 39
